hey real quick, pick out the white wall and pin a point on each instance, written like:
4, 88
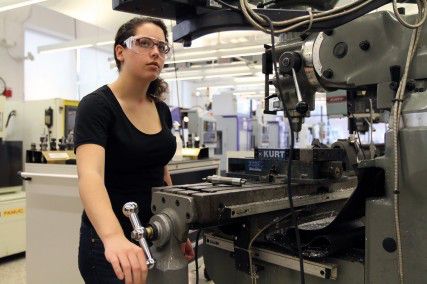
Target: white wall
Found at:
94, 70
12, 68
49, 75
180, 89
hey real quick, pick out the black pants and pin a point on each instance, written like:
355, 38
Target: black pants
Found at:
93, 266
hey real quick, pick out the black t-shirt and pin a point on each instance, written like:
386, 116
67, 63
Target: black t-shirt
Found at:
134, 161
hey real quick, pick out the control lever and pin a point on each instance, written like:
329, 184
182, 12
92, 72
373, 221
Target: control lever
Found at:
302, 106
225, 180
139, 233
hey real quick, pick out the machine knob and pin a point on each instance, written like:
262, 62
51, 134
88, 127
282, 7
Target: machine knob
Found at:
288, 61
129, 208
302, 107
139, 233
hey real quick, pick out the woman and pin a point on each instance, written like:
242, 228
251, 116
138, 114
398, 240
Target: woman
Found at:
123, 143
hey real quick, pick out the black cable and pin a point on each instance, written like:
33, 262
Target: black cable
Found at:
351, 115
291, 149
196, 252
4, 85
12, 113
274, 222
291, 154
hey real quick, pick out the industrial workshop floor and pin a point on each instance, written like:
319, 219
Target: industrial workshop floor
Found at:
12, 271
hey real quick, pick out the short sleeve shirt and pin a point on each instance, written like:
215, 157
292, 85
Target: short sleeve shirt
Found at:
134, 161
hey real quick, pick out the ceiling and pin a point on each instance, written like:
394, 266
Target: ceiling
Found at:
101, 14
95, 12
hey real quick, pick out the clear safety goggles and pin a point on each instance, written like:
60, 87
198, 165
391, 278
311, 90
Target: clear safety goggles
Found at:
141, 44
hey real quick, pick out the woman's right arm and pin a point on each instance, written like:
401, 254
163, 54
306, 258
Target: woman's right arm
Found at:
128, 260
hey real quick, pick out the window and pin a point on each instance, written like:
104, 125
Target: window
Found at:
49, 75
95, 68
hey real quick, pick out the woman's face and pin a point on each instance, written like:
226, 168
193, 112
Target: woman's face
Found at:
143, 59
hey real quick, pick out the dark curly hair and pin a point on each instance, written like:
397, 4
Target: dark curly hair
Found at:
157, 88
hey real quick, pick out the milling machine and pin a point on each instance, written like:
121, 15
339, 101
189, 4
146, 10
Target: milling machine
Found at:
361, 220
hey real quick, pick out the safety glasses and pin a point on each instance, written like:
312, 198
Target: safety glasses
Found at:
140, 44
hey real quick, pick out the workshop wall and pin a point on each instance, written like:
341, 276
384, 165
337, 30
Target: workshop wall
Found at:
51, 75
11, 48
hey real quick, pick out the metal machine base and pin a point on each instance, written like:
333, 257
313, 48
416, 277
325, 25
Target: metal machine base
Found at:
276, 267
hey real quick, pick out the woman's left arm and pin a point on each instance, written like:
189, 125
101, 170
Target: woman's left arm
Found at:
166, 176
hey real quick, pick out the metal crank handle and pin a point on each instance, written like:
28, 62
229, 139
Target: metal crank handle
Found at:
225, 180
139, 233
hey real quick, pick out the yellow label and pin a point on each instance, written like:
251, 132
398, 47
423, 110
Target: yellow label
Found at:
12, 212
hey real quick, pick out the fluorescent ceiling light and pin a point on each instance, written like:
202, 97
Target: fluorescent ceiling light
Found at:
76, 44
241, 48
187, 52
190, 59
252, 85
178, 55
214, 71
251, 79
185, 78
65, 48
243, 87
215, 87
194, 54
253, 96
249, 94
210, 55
14, 4
227, 75
245, 93
231, 86
108, 42
242, 54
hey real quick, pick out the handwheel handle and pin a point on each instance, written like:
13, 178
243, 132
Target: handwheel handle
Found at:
139, 233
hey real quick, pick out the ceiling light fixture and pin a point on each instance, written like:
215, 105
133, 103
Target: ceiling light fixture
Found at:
227, 75
192, 54
184, 78
108, 42
215, 87
76, 44
64, 48
252, 79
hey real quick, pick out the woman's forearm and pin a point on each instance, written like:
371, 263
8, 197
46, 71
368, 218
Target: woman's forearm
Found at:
97, 206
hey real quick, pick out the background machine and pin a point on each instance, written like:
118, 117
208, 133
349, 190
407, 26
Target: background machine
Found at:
49, 132
202, 127
12, 198
320, 215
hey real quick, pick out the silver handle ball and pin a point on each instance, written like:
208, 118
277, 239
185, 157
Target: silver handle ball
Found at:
129, 208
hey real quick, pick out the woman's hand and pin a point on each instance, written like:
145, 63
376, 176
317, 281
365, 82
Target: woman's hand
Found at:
187, 250
128, 260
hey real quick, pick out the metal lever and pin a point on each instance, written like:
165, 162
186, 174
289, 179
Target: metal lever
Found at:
225, 180
139, 233
301, 106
